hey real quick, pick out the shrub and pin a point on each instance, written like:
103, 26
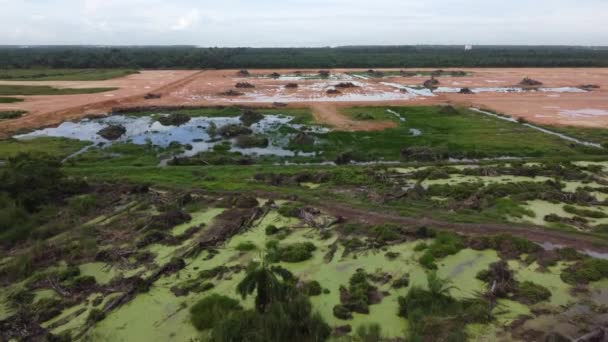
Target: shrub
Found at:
291, 320
250, 141
174, 119
223, 147
232, 130
250, 117
342, 312
403, 281
392, 255
445, 244
420, 247
370, 332
271, 230
211, 310
95, 315
312, 288
246, 246
83, 204
296, 252
290, 210
586, 271
385, 233
584, 212
531, 293
112, 132
428, 261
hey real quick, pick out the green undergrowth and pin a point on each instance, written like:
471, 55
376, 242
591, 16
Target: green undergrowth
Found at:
42, 74
24, 90
10, 100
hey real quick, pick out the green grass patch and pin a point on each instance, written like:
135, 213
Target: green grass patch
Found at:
465, 134
46, 90
595, 135
11, 114
10, 100
57, 147
63, 74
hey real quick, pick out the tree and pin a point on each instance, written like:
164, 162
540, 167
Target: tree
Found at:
263, 279
439, 287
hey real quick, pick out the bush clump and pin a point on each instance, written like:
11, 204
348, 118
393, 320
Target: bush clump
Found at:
290, 210
250, 141
174, 119
532, 293
445, 244
249, 117
212, 309
312, 288
295, 252
386, 232
584, 212
271, 230
233, 130
246, 246
586, 271
112, 132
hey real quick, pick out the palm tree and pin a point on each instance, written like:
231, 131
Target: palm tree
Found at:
439, 287
263, 279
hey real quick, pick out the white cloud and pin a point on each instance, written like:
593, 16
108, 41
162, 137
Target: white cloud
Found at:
303, 22
186, 21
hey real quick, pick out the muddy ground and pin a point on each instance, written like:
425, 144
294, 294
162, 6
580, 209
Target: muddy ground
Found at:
203, 88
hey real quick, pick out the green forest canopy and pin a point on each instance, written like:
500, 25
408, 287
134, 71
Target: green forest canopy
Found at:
345, 57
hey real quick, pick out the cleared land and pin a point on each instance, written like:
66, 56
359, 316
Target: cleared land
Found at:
555, 106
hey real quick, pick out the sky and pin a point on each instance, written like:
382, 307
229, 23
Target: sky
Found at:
303, 23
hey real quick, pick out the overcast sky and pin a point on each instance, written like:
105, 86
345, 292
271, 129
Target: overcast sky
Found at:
303, 22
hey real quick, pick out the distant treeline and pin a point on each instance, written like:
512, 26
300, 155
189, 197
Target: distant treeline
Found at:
341, 57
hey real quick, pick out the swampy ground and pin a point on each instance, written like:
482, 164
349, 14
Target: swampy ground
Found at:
169, 224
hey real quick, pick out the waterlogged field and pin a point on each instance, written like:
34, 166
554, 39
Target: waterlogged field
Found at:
199, 224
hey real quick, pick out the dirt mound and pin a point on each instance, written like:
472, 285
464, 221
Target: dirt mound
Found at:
243, 73
324, 73
375, 73
231, 92
279, 104
405, 73
275, 75
333, 92
112, 132
152, 96
345, 85
431, 84
174, 119
244, 85
529, 82
291, 85
589, 87
466, 91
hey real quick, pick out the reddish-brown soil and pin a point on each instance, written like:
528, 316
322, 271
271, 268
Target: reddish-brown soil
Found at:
202, 88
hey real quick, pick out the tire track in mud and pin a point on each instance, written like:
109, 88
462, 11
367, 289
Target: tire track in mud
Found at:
533, 233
